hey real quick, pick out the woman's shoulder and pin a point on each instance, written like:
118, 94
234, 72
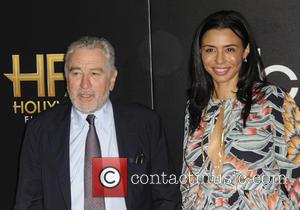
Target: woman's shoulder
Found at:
272, 94
273, 90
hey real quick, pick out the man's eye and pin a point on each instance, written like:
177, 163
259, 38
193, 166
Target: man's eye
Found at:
75, 73
95, 73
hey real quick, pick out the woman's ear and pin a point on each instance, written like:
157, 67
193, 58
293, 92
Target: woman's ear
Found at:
246, 52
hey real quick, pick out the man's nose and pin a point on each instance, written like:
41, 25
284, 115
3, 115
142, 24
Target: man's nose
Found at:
85, 81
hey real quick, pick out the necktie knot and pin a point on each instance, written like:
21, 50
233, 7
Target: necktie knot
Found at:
91, 119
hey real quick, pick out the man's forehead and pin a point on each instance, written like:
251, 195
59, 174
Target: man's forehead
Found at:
88, 56
88, 51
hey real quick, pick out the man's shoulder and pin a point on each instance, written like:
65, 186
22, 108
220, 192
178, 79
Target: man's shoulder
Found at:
133, 110
130, 106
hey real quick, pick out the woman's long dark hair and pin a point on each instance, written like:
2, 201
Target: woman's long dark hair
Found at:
251, 75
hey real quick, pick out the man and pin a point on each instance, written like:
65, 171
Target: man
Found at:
54, 172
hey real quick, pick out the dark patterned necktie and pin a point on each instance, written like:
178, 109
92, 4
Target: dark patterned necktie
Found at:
92, 149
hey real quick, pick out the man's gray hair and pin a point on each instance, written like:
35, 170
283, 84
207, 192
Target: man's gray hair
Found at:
90, 42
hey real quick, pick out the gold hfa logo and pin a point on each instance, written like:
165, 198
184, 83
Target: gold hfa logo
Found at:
17, 77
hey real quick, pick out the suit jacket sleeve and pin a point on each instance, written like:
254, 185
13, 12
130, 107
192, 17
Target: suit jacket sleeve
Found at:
167, 194
29, 191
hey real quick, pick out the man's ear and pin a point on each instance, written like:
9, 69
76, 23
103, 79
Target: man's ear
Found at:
113, 78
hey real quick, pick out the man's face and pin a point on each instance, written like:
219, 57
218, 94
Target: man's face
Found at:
89, 79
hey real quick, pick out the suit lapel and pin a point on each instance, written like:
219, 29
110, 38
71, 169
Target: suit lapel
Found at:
60, 148
120, 125
119, 128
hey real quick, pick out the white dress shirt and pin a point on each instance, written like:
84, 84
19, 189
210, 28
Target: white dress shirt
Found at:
105, 128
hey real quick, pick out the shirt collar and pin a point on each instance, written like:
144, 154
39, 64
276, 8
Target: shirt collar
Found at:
80, 117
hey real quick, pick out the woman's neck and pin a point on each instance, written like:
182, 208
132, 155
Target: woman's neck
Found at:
222, 92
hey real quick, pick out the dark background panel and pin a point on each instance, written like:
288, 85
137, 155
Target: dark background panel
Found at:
275, 24
35, 27
47, 27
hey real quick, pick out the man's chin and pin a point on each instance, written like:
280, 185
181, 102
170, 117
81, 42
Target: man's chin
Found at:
88, 109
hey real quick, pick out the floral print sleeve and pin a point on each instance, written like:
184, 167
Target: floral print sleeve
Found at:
286, 129
291, 118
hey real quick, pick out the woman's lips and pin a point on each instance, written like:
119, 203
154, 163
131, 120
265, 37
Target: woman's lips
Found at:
221, 71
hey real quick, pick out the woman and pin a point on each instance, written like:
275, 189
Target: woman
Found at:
241, 146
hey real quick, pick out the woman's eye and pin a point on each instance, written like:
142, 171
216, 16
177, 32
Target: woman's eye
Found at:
230, 50
209, 50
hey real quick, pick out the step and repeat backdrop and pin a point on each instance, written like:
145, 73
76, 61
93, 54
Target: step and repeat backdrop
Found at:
34, 39
152, 40
275, 23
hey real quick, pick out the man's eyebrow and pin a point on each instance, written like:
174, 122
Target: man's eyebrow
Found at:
74, 68
92, 69
97, 69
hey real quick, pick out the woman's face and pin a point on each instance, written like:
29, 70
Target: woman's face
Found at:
222, 54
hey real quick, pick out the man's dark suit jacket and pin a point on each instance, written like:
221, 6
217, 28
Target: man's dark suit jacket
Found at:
44, 177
